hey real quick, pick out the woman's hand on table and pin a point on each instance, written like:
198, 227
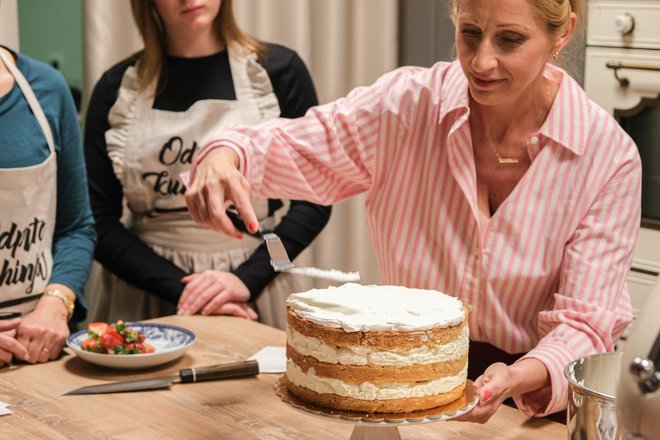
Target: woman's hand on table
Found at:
44, 330
214, 292
216, 185
9, 346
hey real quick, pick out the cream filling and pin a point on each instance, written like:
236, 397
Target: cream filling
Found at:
372, 391
360, 355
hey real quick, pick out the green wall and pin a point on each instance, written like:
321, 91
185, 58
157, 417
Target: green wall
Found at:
52, 31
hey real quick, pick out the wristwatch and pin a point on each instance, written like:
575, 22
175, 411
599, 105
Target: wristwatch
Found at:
68, 302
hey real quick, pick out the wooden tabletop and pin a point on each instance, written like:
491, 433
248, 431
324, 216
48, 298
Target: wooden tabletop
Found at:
231, 409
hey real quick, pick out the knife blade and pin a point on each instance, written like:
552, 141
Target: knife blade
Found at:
232, 370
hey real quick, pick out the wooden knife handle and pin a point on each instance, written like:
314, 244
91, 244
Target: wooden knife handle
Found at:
222, 371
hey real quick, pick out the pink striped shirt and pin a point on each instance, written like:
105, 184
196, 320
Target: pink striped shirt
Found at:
546, 275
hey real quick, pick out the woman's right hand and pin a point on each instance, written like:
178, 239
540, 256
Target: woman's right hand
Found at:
217, 183
9, 347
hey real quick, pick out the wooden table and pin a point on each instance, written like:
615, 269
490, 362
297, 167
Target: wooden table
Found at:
232, 409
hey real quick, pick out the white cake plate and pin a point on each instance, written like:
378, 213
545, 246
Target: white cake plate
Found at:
381, 426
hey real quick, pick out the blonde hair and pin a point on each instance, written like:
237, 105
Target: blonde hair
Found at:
151, 66
556, 14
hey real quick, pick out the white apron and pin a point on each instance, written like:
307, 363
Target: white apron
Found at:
27, 218
149, 149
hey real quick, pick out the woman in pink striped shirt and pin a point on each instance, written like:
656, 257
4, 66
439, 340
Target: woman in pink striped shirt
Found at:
493, 178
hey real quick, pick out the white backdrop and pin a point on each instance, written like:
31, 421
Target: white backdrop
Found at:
345, 43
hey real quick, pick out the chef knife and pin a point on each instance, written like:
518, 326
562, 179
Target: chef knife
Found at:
186, 375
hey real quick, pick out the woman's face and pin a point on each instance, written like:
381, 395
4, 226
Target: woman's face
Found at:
187, 15
502, 47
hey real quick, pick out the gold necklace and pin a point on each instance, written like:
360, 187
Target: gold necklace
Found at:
500, 159
503, 160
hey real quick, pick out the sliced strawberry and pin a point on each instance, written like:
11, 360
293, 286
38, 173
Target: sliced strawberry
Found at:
111, 339
92, 345
97, 327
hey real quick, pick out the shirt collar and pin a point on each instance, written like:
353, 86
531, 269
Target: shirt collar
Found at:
454, 92
567, 120
569, 115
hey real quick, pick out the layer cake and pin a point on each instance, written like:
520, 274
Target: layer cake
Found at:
376, 348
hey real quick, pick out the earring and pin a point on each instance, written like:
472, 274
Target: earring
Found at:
555, 55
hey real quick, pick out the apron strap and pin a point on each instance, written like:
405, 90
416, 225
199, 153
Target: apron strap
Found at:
32, 100
237, 64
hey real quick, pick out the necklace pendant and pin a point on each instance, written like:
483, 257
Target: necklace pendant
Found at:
507, 160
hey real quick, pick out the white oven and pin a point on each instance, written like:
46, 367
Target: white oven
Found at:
622, 74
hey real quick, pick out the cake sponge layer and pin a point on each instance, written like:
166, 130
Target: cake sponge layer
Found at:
381, 406
376, 340
378, 373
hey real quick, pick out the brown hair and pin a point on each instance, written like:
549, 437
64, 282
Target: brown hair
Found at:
556, 14
152, 67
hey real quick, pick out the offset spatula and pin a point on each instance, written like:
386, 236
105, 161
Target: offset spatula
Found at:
187, 375
279, 258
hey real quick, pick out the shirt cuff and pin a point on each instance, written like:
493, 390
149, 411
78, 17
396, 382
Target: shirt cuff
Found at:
539, 403
233, 141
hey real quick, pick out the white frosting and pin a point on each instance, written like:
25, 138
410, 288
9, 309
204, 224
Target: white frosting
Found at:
329, 274
372, 391
361, 355
354, 307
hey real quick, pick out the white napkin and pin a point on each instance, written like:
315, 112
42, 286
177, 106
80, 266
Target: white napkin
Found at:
271, 359
4, 410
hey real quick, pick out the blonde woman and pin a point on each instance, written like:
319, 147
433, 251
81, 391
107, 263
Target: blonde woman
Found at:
493, 178
146, 118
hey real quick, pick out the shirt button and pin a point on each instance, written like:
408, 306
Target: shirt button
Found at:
534, 140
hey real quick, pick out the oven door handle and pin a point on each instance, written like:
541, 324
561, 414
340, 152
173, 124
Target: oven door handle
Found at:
617, 65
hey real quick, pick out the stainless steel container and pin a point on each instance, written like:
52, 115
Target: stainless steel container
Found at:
592, 382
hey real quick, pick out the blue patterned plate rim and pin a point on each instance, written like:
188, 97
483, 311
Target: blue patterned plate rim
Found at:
71, 340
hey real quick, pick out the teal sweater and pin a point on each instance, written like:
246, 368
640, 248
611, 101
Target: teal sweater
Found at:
23, 144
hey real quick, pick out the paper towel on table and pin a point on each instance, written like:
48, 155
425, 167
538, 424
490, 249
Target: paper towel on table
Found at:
4, 410
271, 359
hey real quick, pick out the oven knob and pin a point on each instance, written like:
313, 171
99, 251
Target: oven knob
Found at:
624, 24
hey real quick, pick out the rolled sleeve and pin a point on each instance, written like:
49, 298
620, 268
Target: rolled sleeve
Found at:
326, 156
592, 306
578, 329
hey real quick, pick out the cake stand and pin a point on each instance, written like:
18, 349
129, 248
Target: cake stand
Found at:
381, 426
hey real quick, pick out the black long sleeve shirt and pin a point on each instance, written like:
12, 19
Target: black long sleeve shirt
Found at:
186, 81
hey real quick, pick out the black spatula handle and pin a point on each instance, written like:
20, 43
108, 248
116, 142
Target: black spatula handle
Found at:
238, 222
222, 371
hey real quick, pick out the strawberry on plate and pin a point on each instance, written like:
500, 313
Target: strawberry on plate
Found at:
97, 327
115, 339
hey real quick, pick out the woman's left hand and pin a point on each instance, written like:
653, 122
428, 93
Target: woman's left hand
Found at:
494, 387
43, 331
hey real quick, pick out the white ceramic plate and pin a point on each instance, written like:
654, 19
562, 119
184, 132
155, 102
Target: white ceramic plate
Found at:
169, 341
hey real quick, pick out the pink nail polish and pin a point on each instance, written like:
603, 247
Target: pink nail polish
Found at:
486, 395
253, 226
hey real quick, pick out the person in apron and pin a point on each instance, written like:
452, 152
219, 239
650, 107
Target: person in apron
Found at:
145, 120
45, 251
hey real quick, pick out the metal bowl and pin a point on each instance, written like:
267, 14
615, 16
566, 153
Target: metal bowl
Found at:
592, 381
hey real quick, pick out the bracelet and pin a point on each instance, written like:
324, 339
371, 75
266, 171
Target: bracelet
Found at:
68, 302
